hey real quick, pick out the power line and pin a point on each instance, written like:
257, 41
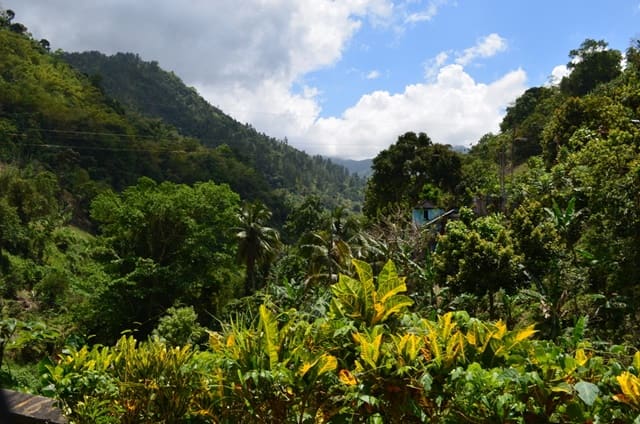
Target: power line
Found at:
151, 137
116, 149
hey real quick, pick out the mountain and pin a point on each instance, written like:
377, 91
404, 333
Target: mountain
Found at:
54, 117
361, 168
153, 92
460, 149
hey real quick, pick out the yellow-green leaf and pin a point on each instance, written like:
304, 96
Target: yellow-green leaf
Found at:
327, 363
525, 333
269, 326
501, 330
581, 357
347, 378
636, 361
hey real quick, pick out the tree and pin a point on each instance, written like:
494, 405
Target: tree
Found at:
161, 244
580, 119
525, 120
6, 16
401, 172
633, 55
307, 216
478, 256
591, 64
257, 244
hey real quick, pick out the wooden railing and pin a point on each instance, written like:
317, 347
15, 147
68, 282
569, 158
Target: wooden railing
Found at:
30, 409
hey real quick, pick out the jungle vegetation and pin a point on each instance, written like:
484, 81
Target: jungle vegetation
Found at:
153, 270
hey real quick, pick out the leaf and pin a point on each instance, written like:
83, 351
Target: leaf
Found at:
327, 363
434, 346
426, 382
630, 385
270, 329
363, 269
307, 366
588, 392
581, 357
378, 312
395, 305
370, 346
471, 338
501, 330
347, 378
562, 387
525, 333
578, 331
446, 325
389, 283
636, 361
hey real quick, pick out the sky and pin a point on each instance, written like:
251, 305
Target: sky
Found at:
345, 78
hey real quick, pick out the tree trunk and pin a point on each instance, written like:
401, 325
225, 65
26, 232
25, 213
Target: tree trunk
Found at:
491, 307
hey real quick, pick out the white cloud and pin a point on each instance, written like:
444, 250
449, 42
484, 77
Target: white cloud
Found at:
433, 65
222, 42
558, 73
270, 106
486, 47
375, 74
248, 57
244, 57
428, 13
453, 110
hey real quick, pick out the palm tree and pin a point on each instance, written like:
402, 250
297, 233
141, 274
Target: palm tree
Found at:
329, 251
257, 243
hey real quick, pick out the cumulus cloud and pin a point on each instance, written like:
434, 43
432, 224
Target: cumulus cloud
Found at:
558, 73
219, 41
485, 47
433, 65
452, 110
251, 59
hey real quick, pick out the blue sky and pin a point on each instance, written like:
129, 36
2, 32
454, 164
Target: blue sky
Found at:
538, 34
345, 77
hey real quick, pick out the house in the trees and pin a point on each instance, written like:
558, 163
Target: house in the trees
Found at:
425, 212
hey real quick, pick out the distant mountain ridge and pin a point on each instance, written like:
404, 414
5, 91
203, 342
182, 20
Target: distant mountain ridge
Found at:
153, 92
360, 167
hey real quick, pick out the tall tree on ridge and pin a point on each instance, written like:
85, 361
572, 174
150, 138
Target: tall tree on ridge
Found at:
591, 64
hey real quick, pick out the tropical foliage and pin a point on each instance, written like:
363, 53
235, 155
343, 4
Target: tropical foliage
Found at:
353, 366
144, 278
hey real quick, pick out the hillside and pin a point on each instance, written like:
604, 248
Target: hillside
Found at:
153, 92
53, 116
178, 301
359, 167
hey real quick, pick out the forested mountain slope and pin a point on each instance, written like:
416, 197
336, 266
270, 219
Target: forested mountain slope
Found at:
146, 88
360, 167
184, 303
52, 115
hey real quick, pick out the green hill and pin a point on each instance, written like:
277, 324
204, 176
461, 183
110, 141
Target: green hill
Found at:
153, 92
138, 120
53, 116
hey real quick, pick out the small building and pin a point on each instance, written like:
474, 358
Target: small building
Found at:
425, 212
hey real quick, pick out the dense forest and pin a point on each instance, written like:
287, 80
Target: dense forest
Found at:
162, 263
